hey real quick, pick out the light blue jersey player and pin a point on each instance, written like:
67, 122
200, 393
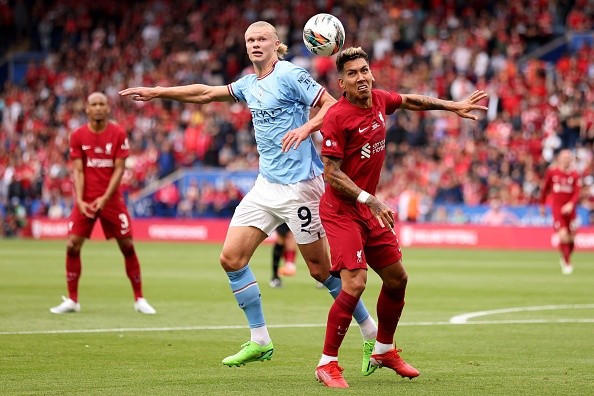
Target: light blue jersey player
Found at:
289, 186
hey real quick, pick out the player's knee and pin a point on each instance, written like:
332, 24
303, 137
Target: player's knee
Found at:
318, 270
397, 282
73, 248
230, 263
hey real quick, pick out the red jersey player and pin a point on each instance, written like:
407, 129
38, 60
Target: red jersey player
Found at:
562, 186
99, 150
359, 227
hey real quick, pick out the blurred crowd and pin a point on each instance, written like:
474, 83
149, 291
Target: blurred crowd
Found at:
443, 48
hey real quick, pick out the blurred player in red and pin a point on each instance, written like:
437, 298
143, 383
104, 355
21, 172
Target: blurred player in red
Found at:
359, 226
562, 187
285, 246
99, 150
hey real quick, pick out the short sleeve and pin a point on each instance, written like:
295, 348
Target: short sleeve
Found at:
393, 101
307, 90
333, 137
122, 144
236, 89
75, 148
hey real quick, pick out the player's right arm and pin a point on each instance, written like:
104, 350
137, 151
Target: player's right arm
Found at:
340, 181
79, 186
194, 93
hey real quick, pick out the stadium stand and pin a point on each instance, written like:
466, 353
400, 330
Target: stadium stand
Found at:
535, 59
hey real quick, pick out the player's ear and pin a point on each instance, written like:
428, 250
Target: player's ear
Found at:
341, 84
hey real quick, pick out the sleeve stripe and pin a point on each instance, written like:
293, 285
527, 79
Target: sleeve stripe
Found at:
318, 96
230, 89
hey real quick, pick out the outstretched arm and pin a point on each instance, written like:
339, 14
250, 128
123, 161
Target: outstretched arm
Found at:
339, 180
462, 108
195, 93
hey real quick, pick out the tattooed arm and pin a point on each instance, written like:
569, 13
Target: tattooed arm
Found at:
338, 180
462, 108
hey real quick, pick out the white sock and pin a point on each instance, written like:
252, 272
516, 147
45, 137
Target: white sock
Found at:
368, 329
260, 335
380, 348
325, 359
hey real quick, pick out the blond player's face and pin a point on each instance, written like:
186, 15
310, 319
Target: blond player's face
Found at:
357, 79
261, 44
564, 159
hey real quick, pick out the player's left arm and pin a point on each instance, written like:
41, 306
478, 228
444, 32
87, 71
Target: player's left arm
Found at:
339, 180
114, 184
293, 138
463, 108
573, 200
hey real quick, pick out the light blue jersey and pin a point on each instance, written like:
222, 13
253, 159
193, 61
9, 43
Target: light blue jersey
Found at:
280, 102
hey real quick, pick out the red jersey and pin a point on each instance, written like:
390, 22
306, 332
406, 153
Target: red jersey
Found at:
562, 186
98, 152
358, 137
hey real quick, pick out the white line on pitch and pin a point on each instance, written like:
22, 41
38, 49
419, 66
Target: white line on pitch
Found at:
463, 318
280, 326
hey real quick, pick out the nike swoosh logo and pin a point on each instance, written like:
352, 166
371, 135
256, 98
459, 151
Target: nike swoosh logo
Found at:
86, 147
361, 130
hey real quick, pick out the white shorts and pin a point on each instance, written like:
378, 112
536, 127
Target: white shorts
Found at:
267, 205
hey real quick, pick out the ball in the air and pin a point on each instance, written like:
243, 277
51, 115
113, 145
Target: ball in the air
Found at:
323, 34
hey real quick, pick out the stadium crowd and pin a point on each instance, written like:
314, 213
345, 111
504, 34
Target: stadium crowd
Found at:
444, 48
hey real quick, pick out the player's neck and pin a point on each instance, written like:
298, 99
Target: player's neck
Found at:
97, 126
263, 68
364, 103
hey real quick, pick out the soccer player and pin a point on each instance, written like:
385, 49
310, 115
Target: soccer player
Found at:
99, 150
285, 246
562, 186
289, 186
359, 226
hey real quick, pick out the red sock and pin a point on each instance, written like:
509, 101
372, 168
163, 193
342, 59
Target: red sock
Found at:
339, 319
565, 249
73, 270
133, 271
289, 256
389, 308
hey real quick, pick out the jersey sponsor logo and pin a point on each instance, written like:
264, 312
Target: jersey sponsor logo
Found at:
86, 147
99, 163
361, 130
366, 151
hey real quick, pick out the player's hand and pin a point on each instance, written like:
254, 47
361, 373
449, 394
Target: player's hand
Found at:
86, 209
293, 138
567, 208
98, 204
382, 213
464, 107
140, 94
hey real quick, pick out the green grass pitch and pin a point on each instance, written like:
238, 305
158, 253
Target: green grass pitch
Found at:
108, 349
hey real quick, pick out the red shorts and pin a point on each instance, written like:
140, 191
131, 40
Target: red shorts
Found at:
564, 221
114, 219
356, 242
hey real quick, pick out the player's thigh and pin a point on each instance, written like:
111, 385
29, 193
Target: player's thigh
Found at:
256, 210
80, 225
302, 211
382, 248
115, 220
240, 244
346, 237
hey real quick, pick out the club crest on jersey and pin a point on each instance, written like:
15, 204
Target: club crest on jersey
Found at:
108, 147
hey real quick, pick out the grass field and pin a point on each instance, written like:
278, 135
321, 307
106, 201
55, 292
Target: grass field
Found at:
108, 349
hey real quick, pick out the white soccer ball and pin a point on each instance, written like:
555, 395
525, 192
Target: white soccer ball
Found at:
323, 34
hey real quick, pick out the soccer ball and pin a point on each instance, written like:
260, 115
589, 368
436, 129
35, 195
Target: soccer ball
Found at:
323, 34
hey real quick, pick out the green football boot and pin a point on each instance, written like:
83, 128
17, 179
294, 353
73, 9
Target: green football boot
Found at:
250, 352
366, 367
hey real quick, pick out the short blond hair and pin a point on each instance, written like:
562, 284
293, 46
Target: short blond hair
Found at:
282, 48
